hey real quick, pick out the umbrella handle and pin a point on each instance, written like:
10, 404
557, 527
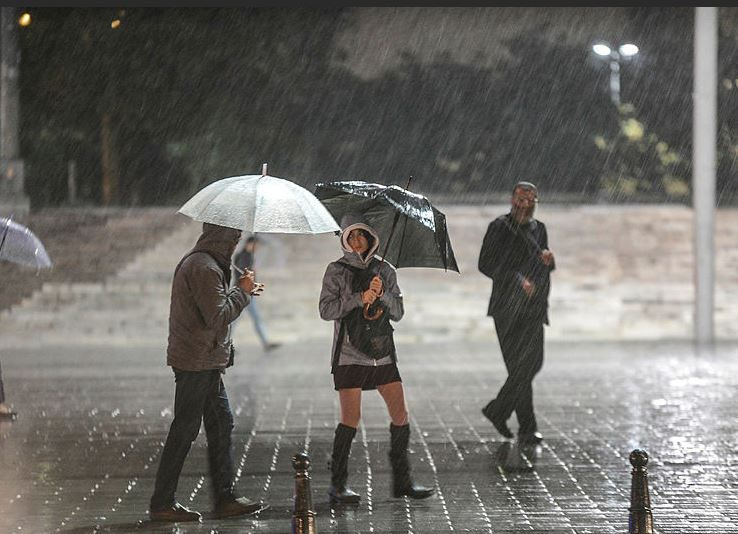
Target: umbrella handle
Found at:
372, 316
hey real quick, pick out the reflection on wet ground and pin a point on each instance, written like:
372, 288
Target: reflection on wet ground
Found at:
92, 420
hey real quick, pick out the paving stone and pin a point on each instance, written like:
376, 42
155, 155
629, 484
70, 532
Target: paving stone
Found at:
86, 446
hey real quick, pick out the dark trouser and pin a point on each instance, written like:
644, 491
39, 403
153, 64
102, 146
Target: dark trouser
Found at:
199, 395
521, 342
2, 391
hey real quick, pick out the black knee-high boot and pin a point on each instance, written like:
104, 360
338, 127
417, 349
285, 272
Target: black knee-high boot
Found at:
402, 484
339, 492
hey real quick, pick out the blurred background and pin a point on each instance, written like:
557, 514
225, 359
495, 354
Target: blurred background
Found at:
144, 106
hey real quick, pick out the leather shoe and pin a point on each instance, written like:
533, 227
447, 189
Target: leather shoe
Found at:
414, 491
174, 514
530, 438
238, 506
8, 416
343, 496
499, 424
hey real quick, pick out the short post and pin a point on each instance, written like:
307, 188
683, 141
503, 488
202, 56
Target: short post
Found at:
640, 519
303, 517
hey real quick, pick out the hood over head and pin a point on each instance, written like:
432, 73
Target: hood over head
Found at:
219, 242
353, 221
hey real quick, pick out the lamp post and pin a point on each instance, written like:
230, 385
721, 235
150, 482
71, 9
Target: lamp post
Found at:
615, 56
704, 148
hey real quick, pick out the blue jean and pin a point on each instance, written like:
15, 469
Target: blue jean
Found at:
253, 311
199, 396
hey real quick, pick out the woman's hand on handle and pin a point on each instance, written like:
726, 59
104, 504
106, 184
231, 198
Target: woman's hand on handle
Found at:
377, 286
368, 296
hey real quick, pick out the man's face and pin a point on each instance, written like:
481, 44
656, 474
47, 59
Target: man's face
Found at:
523, 205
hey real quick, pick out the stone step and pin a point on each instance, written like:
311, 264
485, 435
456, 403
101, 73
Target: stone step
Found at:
621, 272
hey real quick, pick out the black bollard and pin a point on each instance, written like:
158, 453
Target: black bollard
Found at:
303, 517
640, 519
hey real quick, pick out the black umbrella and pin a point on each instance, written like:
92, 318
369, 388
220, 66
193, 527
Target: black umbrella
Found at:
412, 232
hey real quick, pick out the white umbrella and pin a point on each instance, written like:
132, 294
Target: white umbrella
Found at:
260, 203
19, 245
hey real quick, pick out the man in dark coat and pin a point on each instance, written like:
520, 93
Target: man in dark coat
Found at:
201, 311
515, 256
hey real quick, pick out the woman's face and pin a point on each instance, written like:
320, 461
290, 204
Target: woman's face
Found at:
357, 241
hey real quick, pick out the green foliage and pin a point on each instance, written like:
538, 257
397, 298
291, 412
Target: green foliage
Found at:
639, 164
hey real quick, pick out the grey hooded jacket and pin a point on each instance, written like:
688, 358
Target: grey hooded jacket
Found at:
337, 298
202, 305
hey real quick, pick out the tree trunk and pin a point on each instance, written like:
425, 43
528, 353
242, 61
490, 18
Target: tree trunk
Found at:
109, 162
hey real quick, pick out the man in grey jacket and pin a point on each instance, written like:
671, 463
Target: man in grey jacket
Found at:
201, 311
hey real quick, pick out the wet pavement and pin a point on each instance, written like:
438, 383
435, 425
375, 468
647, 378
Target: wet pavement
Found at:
92, 421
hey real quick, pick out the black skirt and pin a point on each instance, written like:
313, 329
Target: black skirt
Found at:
365, 377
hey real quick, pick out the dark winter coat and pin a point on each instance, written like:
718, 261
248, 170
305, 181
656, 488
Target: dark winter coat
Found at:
510, 252
202, 305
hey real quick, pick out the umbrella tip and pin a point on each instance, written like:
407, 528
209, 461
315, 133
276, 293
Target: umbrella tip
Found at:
263, 169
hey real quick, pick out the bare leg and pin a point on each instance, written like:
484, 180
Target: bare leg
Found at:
394, 397
350, 400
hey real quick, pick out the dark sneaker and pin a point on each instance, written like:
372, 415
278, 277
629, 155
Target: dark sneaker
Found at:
499, 424
343, 496
271, 346
174, 514
238, 506
530, 438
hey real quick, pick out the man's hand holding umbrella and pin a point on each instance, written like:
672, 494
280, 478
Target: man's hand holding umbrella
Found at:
248, 283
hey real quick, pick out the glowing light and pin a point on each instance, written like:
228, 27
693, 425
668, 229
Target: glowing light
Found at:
25, 19
628, 49
601, 49
115, 24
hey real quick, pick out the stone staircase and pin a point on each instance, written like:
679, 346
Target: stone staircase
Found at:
623, 272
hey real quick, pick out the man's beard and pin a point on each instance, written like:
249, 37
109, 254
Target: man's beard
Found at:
523, 215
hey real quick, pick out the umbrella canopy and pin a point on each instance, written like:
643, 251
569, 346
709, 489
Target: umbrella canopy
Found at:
19, 245
260, 203
420, 236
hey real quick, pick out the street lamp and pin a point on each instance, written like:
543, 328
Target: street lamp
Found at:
626, 50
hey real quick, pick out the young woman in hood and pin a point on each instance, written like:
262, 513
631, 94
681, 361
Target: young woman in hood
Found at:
355, 371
